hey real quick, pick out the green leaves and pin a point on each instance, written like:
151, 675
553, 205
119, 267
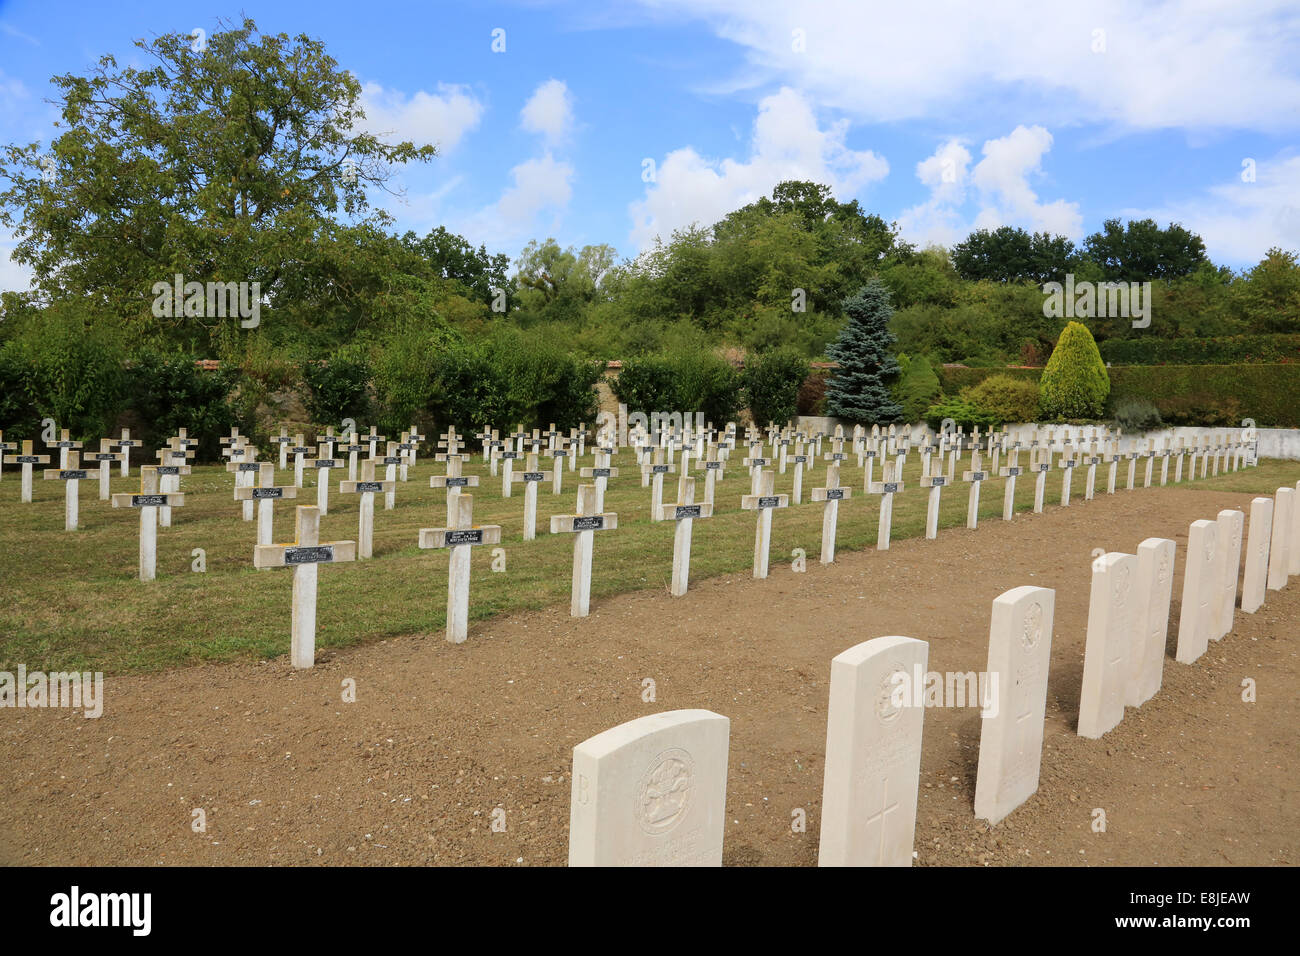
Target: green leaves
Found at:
1074, 383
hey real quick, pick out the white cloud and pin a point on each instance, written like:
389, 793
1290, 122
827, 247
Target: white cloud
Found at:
787, 143
1165, 64
999, 184
442, 118
549, 111
538, 186
1240, 221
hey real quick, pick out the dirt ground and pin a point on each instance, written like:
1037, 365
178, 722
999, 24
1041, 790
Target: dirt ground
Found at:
441, 735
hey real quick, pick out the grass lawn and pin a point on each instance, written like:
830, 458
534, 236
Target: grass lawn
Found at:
71, 600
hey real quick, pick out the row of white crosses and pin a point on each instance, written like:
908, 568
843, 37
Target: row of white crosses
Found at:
639, 788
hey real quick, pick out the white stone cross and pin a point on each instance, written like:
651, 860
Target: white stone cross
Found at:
684, 512
243, 462
935, 480
105, 457
657, 468
367, 487
149, 500
283, 441
975, 477
602, 472
460, 538
266, 494
124, 445
764, 502
583, 526
531, 478
324, 463
1010, 471
303, 556
886, 489
1067, 463
64, 444
71, 477
832, 494
453, 481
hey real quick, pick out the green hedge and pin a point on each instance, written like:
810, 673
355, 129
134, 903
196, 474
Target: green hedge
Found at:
1237, 349
1210, 395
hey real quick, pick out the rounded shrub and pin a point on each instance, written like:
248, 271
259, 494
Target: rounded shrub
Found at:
1074, 383
1006, 398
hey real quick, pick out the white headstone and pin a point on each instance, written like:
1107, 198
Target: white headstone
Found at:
1197, 614
873, 755
1107, 651
1155, 586
1279, 556
1011, 735
1231, 524
651, 792
1256, 581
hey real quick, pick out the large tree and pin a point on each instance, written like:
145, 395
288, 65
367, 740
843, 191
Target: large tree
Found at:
1140, 251
1010, 254
225, 158
859, 388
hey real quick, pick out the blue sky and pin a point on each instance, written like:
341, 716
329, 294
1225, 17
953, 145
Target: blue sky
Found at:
614, 126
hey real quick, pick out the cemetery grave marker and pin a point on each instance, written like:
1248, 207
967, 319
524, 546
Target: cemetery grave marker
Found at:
71, 478
651, 792
324, 463
1231, 524
873, 755
1108, 648
283, 441
266, 494
64, 444
935, 481
1257, 546
1279, 559
105, 457
976, 478
832, 494
149, 500
460, 538
531, 478
1156, 558
367, 487
453, 481
684, 512
1199, 593
583, 526
764, 502
304, 556
886, 489
125, 444
1011, 736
